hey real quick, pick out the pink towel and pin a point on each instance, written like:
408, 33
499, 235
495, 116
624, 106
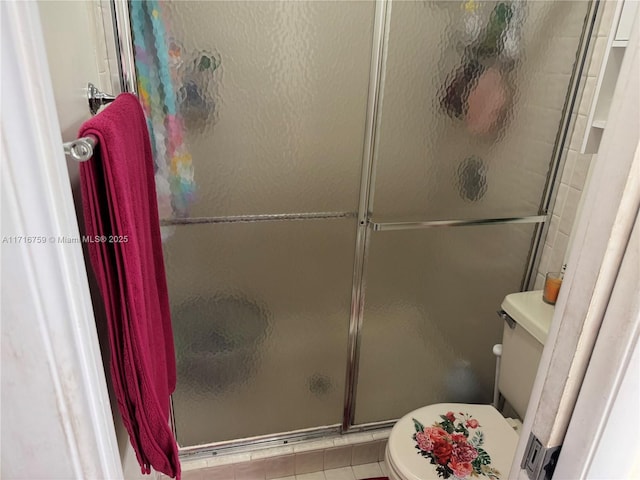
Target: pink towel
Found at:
121, 213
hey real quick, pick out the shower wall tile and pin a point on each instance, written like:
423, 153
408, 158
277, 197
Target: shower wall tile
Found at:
381, 434
365, 453
223, 472
272, 452
337, 457
588, 92
370, 470
569, 164
227, 460
553, 230
99, 23
563, 190
578, 133
280, 466
597, 55
382, 448
308, 462
253, 470
571, 205
560, 248
580, 170
191, 475
606, 18
558, 240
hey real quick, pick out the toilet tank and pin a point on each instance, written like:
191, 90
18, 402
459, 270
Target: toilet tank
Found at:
527, 320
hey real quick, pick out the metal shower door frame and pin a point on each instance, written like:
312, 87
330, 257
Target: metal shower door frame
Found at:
365, 225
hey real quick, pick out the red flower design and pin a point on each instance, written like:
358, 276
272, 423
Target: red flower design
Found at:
464, 452
460, 469
436, 433
442, 451
454, 453
472, 423
424, 442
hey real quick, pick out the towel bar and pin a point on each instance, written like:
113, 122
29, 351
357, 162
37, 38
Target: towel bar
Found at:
81, 149
97, 98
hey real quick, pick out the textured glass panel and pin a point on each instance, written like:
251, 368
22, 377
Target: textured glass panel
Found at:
260, 314
273, 96
471, 106
430, 318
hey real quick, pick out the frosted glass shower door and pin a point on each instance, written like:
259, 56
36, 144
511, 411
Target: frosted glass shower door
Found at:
471, 107
273, 97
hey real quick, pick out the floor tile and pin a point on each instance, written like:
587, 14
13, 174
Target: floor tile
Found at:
337, 457
309, 462
222, 472
311, 476
279, 467
367, 470
345, 473
365, 453
253, 470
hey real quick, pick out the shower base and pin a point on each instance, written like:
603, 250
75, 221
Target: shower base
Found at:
287, 460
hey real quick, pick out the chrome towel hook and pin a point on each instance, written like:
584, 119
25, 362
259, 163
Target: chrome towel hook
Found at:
97, 98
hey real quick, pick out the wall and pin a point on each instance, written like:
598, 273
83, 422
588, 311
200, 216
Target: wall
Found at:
78, 53
610, 461
55, 422
576, 168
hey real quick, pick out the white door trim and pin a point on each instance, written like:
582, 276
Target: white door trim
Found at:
50, 276
615, 346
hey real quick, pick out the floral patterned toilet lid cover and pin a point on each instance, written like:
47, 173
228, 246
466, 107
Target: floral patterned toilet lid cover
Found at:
453, 441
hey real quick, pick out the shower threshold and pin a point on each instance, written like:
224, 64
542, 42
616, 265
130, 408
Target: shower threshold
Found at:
293, 438
311, 449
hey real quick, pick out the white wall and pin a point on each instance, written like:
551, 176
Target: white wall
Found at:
610, 460
78, 53
56, 421
80, 49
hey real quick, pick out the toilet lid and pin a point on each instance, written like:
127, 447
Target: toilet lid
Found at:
452, 440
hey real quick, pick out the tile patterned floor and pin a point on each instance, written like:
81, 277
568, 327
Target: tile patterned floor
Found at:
356, 472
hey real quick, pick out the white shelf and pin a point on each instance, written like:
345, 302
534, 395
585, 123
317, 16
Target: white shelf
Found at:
610, 69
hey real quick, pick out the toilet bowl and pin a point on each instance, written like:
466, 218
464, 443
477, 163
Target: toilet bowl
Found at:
459, 440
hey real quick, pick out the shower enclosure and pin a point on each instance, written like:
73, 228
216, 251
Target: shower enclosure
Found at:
371, 179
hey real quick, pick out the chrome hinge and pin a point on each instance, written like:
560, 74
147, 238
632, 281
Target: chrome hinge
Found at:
507, 318
539, 462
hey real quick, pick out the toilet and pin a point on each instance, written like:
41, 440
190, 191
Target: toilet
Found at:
458, 440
